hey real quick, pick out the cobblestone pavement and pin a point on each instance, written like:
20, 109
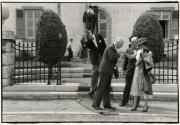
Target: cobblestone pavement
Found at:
81, 111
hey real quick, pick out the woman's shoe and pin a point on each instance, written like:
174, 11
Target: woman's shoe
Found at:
134, 109
135, 103
145, 109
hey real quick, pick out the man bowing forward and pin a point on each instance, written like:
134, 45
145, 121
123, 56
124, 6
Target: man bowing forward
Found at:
106, 68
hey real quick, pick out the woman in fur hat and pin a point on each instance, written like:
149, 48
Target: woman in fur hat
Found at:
141, 84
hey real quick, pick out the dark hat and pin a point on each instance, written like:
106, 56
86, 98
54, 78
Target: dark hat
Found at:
140, 41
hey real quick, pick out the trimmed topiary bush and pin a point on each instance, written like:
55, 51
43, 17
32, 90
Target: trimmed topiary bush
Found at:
51, 46
51, 39
147, 25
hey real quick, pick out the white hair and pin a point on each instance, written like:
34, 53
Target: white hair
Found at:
119, 40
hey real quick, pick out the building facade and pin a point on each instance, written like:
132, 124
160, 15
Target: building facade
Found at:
114, 19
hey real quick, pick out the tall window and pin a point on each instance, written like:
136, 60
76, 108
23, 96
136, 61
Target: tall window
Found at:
31, 20
164, 20
103, 25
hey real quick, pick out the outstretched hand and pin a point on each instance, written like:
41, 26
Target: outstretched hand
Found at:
122, 54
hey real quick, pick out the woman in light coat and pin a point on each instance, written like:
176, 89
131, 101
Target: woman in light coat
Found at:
141, 84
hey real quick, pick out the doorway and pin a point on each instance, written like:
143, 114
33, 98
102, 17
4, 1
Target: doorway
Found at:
164, 25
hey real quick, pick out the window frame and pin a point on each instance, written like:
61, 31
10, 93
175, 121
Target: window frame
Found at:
163, 11
103, 21
33, 9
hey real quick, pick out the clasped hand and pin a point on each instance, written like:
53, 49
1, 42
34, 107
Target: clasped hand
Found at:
120, 53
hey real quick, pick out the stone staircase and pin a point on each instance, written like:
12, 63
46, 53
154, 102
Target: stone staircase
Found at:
31, 74
77, 90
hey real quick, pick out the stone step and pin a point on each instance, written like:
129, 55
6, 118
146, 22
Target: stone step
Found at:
45, 70
81, 70
45, 76
76, 95
77, 87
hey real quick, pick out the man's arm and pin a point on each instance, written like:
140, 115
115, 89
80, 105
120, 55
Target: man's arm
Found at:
125, 64
113, 55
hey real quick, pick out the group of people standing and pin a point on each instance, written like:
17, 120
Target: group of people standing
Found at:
137, 66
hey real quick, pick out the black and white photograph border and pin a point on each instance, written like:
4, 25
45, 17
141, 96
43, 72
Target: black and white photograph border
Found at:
89, 61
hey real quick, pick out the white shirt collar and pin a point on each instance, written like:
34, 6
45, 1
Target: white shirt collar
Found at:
94, 41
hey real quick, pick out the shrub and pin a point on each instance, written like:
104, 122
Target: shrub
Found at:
51, 38
147, 25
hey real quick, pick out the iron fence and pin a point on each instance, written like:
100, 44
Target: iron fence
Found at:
28, 68
166, 71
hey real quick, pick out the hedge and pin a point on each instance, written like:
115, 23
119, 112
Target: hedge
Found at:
147, 25
51, 38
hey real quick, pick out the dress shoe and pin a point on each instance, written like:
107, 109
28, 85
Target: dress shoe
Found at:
122, 104
110, 107
97, 108
134, 109
145, 109
91, 93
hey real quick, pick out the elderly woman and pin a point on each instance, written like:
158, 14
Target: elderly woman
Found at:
141, 84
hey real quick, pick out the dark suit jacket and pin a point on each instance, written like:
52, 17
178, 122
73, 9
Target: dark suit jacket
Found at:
94, 51
109, 60
129, 64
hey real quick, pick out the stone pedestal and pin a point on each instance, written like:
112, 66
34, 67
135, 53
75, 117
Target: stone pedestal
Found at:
7, 50
8, 57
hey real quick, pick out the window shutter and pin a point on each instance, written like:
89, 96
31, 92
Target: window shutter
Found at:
20, 24
175, 14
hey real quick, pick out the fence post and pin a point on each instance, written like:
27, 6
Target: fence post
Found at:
177, 44
59, 74
40, 66
172, 60
163, 60
19, 50
168, 63
31, 60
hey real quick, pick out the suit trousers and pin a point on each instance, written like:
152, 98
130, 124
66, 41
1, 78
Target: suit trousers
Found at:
127, 88
95, 74
94, 77
103, 91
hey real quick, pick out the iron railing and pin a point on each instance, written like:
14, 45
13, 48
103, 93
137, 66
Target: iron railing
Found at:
166, 71
29, 69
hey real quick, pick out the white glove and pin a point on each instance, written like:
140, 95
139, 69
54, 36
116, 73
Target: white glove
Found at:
138, 53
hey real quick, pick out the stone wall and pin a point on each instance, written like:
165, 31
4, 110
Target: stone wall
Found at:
8, 58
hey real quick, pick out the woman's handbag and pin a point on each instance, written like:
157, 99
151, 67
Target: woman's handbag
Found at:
152, 78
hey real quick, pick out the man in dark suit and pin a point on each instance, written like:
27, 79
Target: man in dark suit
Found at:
97, 45
128, 69
106, 68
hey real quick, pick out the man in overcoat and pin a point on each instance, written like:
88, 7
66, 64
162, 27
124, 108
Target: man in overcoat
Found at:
97, 45
128, 70
106, 68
